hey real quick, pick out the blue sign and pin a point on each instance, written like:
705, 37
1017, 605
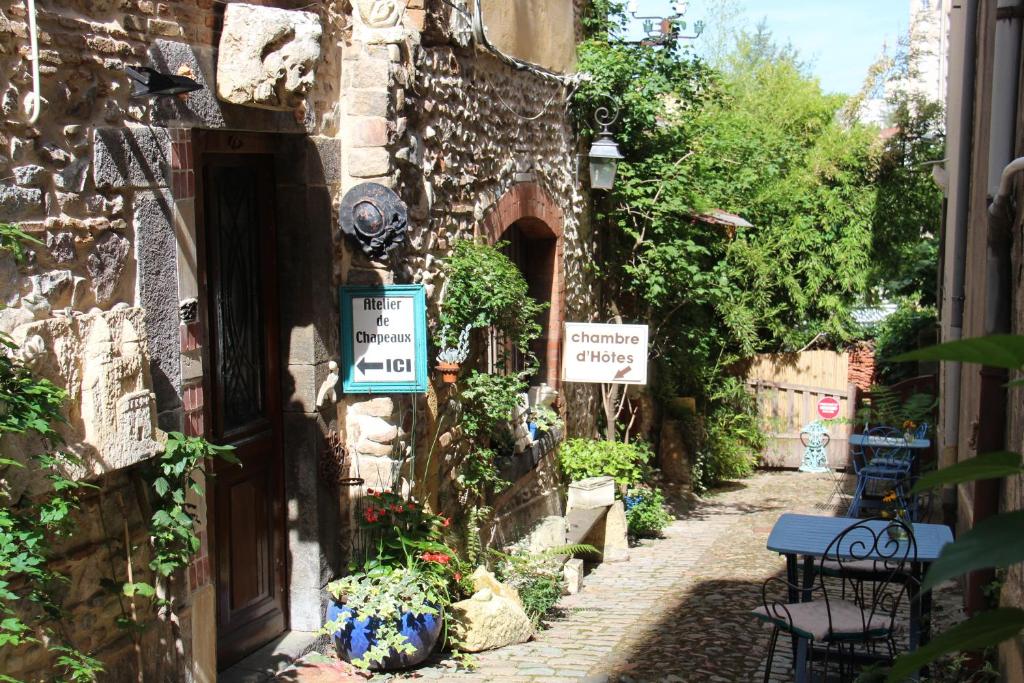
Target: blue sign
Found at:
384, 339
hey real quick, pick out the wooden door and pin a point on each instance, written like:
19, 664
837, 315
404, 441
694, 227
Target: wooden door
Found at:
245, 402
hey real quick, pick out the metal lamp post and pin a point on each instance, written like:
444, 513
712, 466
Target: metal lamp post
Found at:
604, 152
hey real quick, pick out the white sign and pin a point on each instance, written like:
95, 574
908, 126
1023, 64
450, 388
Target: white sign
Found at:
607, 354
384, 339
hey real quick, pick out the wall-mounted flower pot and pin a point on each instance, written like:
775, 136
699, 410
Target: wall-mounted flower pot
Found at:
449, 372
358, 635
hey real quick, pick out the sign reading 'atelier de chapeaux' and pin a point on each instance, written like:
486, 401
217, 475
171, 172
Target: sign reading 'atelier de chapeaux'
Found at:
384, 339
606, 354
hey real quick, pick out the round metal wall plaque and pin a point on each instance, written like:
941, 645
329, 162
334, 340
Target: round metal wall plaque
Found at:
375, 218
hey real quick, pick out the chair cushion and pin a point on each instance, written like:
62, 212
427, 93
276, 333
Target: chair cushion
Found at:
811, 620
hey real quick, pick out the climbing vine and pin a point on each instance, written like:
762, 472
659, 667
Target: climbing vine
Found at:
30, 518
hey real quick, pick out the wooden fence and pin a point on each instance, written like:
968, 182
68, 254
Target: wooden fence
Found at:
788, 388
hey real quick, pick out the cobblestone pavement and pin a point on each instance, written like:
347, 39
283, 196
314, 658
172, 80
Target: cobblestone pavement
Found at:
678, 610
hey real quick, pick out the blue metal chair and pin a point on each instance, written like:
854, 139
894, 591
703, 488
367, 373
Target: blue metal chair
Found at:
883, 463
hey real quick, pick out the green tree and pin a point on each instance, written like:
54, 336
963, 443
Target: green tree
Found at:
757, 138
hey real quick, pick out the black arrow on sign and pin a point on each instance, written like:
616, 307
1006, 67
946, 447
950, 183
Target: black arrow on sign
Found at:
364, 366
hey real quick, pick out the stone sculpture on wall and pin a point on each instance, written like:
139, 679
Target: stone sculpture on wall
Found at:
102, 362
379, 21
267, 56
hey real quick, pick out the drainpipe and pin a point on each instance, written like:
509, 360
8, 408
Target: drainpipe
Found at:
991, 435
33, 33
960, 129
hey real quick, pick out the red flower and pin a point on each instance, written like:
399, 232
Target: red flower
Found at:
369, 492
446, 521
440, 558
458, 576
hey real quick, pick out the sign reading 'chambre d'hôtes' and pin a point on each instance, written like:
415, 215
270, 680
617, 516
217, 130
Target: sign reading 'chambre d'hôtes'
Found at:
384, 339
606, 354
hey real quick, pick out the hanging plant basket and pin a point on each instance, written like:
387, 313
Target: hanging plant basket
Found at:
449, 372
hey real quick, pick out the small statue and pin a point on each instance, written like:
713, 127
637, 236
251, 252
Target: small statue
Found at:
815, 439
329, 387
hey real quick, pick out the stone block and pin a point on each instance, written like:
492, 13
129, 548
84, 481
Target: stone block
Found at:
199, 108
367, 131
204, 635
616, 542
131, 156
105, 265
325, 161
595, 492
572, 573
368, 102
370, 74
488, 621
675, 465
267, 56
376, 429
378, 472
548, 533
30, 175
101, 360
368, 162
367, 447
376, 407
483, 579
156, 260
17, 203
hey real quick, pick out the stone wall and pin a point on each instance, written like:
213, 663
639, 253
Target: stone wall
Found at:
472, 145
107, 184
94, 558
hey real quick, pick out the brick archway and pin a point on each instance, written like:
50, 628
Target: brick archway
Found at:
534, 215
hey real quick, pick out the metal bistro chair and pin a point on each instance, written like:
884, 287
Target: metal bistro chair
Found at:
881, 467
861, 629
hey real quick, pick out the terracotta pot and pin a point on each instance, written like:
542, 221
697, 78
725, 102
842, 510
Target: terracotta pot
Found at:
449, 372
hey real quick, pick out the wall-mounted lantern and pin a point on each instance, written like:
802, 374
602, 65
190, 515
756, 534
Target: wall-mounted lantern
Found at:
604, 152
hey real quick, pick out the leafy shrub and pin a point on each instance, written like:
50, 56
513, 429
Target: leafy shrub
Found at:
489, 401
539, 593
901, 332
625, 462
486, 289
645, 512
537, 578
733, 440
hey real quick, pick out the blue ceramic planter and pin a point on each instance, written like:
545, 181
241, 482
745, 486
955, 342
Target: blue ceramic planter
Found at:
355, 638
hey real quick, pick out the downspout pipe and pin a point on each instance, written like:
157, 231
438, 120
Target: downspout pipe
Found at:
33, 32
961, 125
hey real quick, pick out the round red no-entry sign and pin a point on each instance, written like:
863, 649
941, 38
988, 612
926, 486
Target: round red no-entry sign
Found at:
828, 407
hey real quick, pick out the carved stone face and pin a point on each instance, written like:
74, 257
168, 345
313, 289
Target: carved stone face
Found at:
267, 56
380, 13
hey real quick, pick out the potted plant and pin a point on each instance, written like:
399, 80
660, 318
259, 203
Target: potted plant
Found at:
388, 614
450, 358
542, 420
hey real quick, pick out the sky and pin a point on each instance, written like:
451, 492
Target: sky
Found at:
838, 38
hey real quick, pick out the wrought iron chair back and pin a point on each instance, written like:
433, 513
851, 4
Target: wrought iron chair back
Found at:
891, 549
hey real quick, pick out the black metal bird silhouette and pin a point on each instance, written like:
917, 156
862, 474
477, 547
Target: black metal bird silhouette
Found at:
147, 82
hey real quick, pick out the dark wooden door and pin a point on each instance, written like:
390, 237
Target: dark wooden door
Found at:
245, 402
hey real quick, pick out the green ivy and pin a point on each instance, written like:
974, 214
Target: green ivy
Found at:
485, 289
29, 588
175, 473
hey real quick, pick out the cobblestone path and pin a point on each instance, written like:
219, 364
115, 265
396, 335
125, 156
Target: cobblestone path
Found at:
678, 610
